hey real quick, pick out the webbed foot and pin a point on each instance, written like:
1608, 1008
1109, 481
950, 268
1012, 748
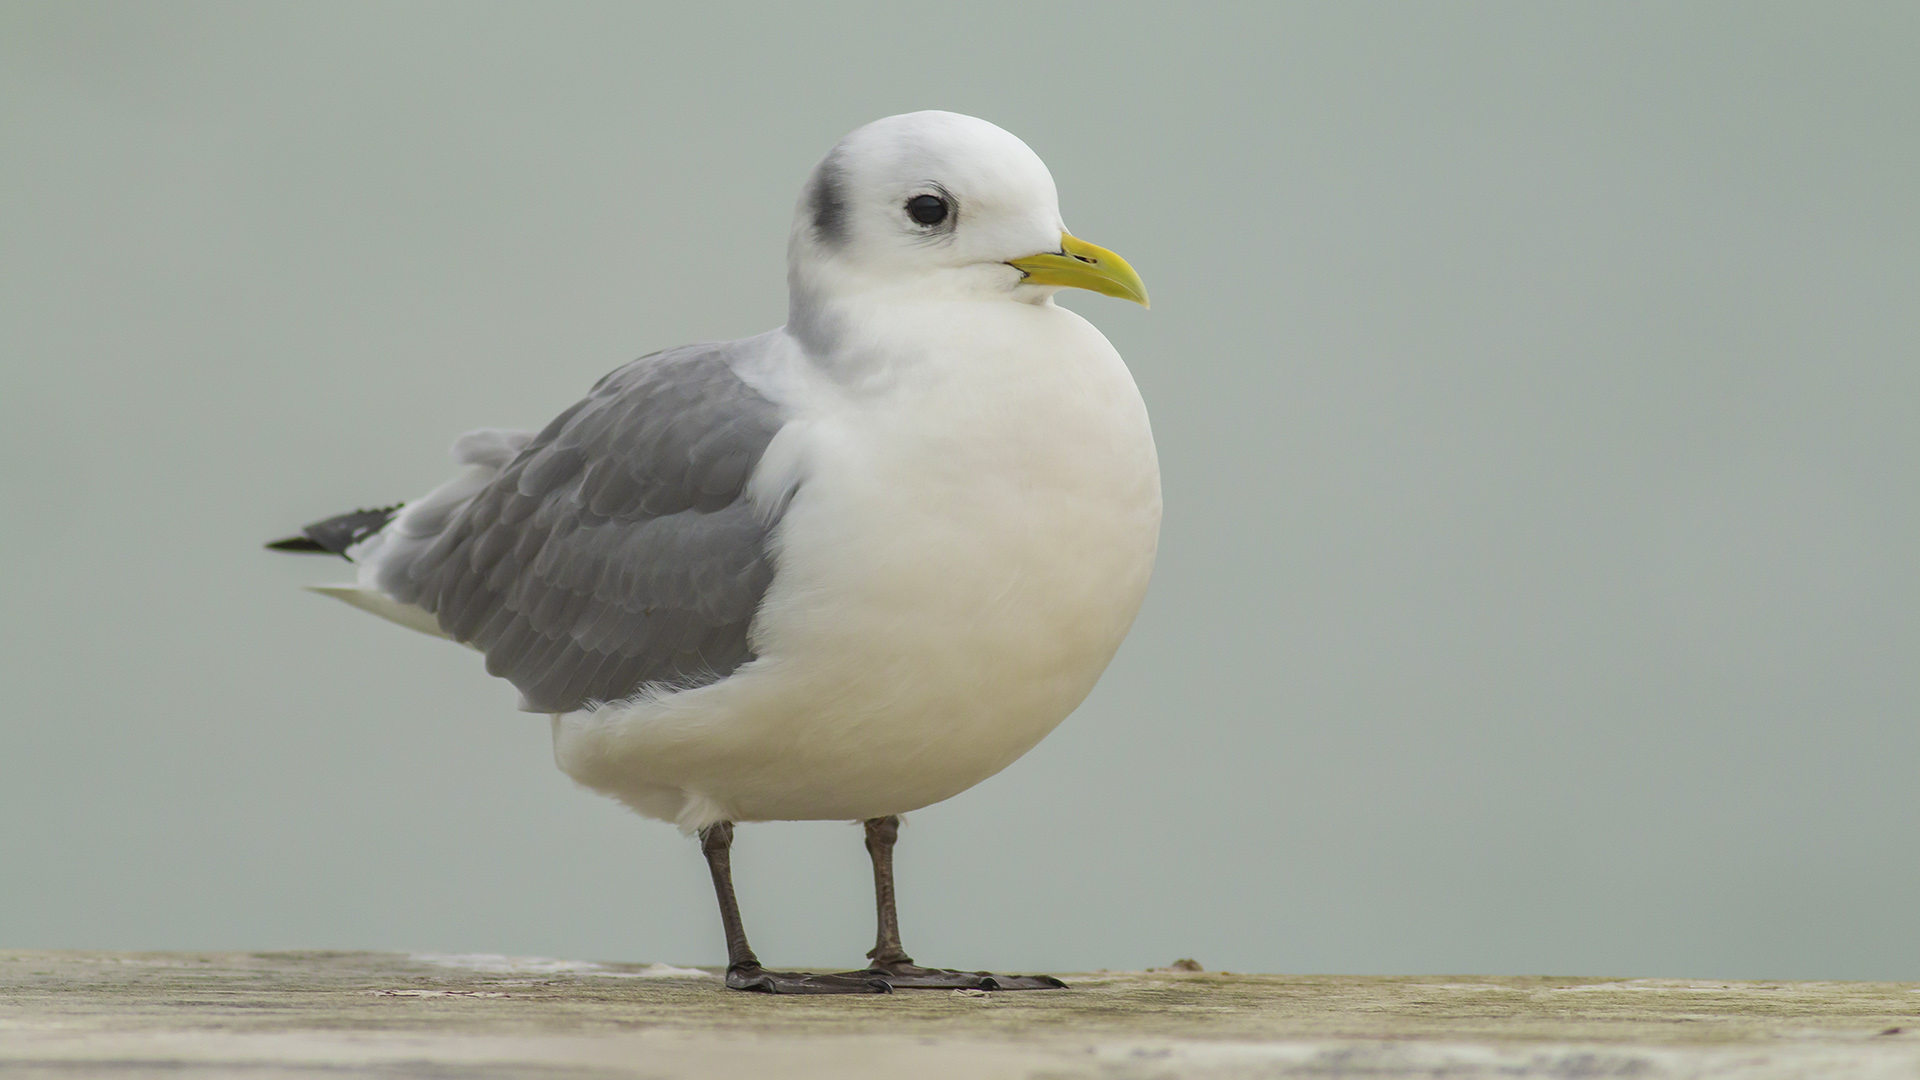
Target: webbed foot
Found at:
761, 980
910, 976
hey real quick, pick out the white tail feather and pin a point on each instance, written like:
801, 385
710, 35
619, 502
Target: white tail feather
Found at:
379, 603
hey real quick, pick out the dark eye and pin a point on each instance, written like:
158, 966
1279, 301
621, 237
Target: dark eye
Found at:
927, 209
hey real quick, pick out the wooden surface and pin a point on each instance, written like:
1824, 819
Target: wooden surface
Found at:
230, 1015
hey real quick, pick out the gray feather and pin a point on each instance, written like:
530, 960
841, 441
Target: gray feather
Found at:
618, 548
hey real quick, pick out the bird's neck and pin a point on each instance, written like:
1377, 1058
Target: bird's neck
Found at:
834, 315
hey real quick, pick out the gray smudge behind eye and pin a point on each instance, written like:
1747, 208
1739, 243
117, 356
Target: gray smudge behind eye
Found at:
828, 201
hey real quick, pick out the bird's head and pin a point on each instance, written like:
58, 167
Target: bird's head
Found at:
946, 206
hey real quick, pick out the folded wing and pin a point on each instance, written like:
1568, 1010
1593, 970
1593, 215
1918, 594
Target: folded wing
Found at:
617, 549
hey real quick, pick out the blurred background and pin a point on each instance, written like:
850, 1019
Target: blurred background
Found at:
1535, 387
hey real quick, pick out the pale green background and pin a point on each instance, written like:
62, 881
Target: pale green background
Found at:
1536, 387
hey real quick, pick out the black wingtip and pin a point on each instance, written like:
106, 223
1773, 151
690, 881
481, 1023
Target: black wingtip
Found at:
336, 534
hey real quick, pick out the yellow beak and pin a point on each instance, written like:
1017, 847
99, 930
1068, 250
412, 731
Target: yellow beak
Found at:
1080, 265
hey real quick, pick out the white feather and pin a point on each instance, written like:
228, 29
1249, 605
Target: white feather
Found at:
379, 603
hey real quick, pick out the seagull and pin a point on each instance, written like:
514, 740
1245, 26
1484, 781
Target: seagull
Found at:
841, 570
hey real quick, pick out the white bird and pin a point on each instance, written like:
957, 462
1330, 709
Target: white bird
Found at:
841, 570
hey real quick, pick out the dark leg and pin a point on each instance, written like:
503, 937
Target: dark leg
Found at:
743, 968
882, 834
890, 960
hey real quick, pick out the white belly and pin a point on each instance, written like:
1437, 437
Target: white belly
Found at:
967, 548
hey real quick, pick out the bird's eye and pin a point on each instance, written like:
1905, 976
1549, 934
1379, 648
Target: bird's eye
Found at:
927, 209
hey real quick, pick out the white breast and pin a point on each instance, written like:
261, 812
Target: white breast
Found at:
970, 539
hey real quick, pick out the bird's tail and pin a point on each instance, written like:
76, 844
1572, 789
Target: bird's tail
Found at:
336, 534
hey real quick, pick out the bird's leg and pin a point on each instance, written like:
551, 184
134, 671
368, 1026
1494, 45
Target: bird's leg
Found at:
743, 968
716, 843
890, 960
882, 834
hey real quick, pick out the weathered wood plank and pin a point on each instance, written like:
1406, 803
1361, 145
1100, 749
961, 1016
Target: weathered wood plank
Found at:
67, 1014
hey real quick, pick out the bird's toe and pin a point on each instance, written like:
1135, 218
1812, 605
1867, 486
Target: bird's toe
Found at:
760, 980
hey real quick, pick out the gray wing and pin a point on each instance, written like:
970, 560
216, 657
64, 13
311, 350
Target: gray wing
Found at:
618, 548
